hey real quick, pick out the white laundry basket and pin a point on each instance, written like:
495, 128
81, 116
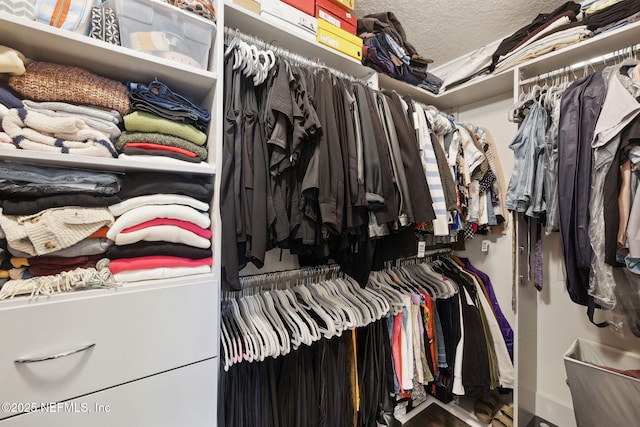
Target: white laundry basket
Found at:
600, 396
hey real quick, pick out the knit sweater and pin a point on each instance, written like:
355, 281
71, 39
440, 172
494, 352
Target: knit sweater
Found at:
160, 154
143, 248
163, 233
107, 126
88, 246
98, 113
202, 232
31, 130
148, 212
47, 81
53, 229
157, 199
141, 121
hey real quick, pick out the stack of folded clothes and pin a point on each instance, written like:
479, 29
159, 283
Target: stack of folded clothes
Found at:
58, 108
163, 126
567, 25
54, 224
162, 227
386, 50
605, 15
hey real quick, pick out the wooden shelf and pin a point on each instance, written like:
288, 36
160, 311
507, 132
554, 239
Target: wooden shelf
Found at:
42, 42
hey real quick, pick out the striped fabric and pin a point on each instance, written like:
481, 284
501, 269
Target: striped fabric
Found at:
72, 15
26, 9
430, 166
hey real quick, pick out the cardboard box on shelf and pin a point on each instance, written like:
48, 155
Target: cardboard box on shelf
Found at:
307, 6
334, 37
336, 15
349, 5
281, 10
250, 5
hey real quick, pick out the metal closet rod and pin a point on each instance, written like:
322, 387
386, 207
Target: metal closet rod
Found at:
283, 279
428, 254
628, 52
280, 51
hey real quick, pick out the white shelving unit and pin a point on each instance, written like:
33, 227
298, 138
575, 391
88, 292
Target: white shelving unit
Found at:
158, 337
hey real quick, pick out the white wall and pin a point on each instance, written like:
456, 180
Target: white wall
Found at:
558, 320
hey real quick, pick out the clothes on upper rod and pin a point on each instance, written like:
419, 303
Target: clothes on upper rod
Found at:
589, 182
329, 168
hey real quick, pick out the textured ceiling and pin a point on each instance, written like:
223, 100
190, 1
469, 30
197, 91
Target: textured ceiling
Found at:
446, 29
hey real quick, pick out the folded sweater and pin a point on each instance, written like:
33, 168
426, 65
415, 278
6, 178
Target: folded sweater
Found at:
141, 121
31, 130
161, 139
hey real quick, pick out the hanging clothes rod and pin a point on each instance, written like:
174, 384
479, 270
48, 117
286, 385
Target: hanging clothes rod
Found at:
399, 262
284, 278
628, 52
287, 54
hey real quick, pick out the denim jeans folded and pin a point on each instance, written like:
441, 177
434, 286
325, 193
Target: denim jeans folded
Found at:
178, 116
159, 94
31, 180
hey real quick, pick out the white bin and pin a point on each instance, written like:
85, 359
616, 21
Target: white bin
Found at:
600, 396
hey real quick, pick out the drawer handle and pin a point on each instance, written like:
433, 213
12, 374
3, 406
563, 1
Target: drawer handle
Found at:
54, 356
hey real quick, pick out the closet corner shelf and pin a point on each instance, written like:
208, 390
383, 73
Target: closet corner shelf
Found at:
495, 84
101, 163
620, 38
46, 43
291, 38
465, 94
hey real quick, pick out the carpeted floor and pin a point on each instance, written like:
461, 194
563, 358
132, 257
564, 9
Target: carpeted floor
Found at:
435, 416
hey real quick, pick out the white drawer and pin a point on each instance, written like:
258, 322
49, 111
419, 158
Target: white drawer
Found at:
137, 331
181, 397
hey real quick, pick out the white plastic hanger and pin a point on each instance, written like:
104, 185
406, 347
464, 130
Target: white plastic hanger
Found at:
332, 307
301, 327
313, 328
250, 340
270, 324
280, 329
307, 302
255, 324
349, 302
226, 345
237, 340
